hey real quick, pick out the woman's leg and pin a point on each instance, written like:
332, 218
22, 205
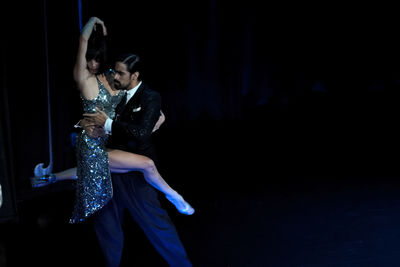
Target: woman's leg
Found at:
68, 174
122, 161
44, 180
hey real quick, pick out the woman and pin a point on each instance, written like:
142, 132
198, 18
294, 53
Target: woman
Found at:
94, 162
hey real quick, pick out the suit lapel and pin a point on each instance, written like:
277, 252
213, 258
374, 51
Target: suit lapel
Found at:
121, 105
134, 102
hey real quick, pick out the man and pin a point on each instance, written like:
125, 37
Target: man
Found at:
131, 131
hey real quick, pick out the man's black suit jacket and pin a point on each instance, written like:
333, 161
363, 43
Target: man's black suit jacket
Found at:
134, 122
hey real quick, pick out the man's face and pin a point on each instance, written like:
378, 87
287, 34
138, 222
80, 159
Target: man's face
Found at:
122, 78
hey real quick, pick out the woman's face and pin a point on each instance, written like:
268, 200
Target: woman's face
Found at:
93, 66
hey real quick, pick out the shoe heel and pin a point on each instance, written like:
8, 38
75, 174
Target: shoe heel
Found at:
39, 181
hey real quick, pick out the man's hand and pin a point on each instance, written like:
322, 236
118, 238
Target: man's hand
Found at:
91, 130
95, 132
95, 119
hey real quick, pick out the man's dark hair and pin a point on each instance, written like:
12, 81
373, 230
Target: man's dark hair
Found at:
132, 63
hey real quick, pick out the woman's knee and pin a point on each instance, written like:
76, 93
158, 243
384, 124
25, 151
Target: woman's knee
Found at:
149, 165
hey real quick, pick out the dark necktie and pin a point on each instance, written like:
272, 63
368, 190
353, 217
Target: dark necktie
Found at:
120, 107
123, 100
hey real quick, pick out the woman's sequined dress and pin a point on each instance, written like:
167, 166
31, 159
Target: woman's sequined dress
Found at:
94, 187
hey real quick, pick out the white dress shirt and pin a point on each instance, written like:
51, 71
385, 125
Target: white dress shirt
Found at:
129, 94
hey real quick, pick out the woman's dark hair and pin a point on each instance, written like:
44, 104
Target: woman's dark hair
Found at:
97, 48
132, 63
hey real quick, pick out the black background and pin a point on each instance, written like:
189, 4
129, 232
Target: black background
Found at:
250, 90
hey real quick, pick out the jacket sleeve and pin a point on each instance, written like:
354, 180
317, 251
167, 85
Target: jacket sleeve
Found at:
140, 131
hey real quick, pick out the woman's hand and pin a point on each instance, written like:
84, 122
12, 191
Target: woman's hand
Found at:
90, 26
160, 121
99, 21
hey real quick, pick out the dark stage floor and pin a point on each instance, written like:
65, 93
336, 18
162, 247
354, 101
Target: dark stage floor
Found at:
293, 221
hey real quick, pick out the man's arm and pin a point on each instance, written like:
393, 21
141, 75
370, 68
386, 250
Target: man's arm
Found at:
152, 118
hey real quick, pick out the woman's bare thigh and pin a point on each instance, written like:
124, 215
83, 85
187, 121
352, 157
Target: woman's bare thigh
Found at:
122, 161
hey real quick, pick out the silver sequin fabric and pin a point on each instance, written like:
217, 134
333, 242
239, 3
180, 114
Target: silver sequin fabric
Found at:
93, 187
